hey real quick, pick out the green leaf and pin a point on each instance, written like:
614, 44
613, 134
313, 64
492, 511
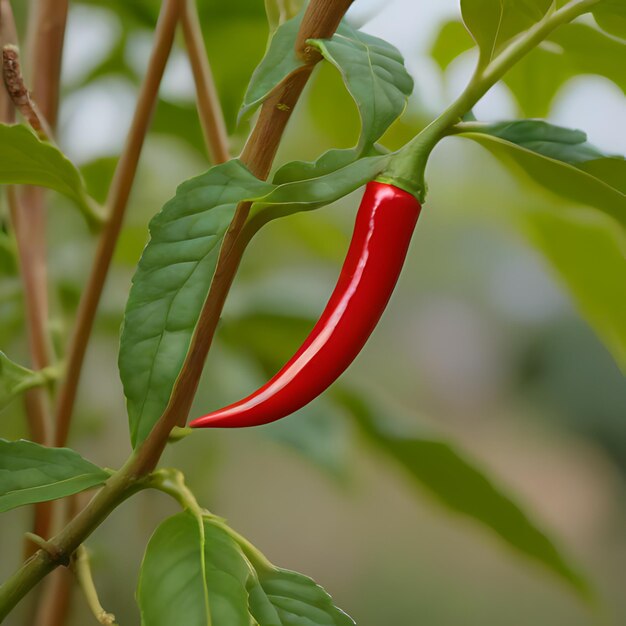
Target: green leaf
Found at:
26, 160
374, 74
32, 473
453, 39
312, 193
279, 61
558, 159
15, 380
571, 50
195, 573
192, 575
284, 598
597, 284
170, 285
328, 162
493, 23
462, 487
177, 266
611, 16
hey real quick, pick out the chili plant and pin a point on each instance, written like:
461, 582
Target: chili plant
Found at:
197, 569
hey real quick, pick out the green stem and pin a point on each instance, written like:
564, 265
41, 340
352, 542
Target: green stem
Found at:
172, 482
406, 170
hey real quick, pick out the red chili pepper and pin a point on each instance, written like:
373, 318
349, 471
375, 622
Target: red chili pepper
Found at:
384, 225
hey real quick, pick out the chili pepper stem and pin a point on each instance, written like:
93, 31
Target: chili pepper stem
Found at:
406, 169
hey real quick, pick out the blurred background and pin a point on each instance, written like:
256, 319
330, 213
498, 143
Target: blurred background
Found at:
485, 343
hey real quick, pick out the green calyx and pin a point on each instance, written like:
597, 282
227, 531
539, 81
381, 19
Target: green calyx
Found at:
409, 185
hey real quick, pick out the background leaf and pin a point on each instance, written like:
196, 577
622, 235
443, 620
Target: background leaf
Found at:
26, 160
462, 487
32, 473
611, 16
493, 23
597, 284
15, 379
452, 40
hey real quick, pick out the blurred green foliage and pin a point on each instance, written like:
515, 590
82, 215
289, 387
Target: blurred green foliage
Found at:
546, 373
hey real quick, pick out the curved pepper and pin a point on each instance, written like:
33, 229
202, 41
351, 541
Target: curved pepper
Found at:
384, 225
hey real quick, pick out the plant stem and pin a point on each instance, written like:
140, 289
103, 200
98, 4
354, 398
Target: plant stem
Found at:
211, 116
406, 170
82, 569
130, 478
19, 94
116, 202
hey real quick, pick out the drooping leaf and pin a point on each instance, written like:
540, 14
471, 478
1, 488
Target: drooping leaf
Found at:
15, 380
171, 284
462, 487
558, 159
559, 143
195, 573
32, 473
279, 61
611, 16
374, 74
26, 160
493, 23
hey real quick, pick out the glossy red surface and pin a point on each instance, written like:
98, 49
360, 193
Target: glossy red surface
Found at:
384, 224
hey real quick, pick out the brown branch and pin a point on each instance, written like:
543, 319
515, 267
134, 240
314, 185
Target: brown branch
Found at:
210, 111
319, 22
46, 36
18, 92
45, 49
258, 155
8, 36
116, 203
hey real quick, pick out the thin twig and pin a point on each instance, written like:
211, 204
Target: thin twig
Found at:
18, 92
46, 34
210, 111
116, 203
81, 567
